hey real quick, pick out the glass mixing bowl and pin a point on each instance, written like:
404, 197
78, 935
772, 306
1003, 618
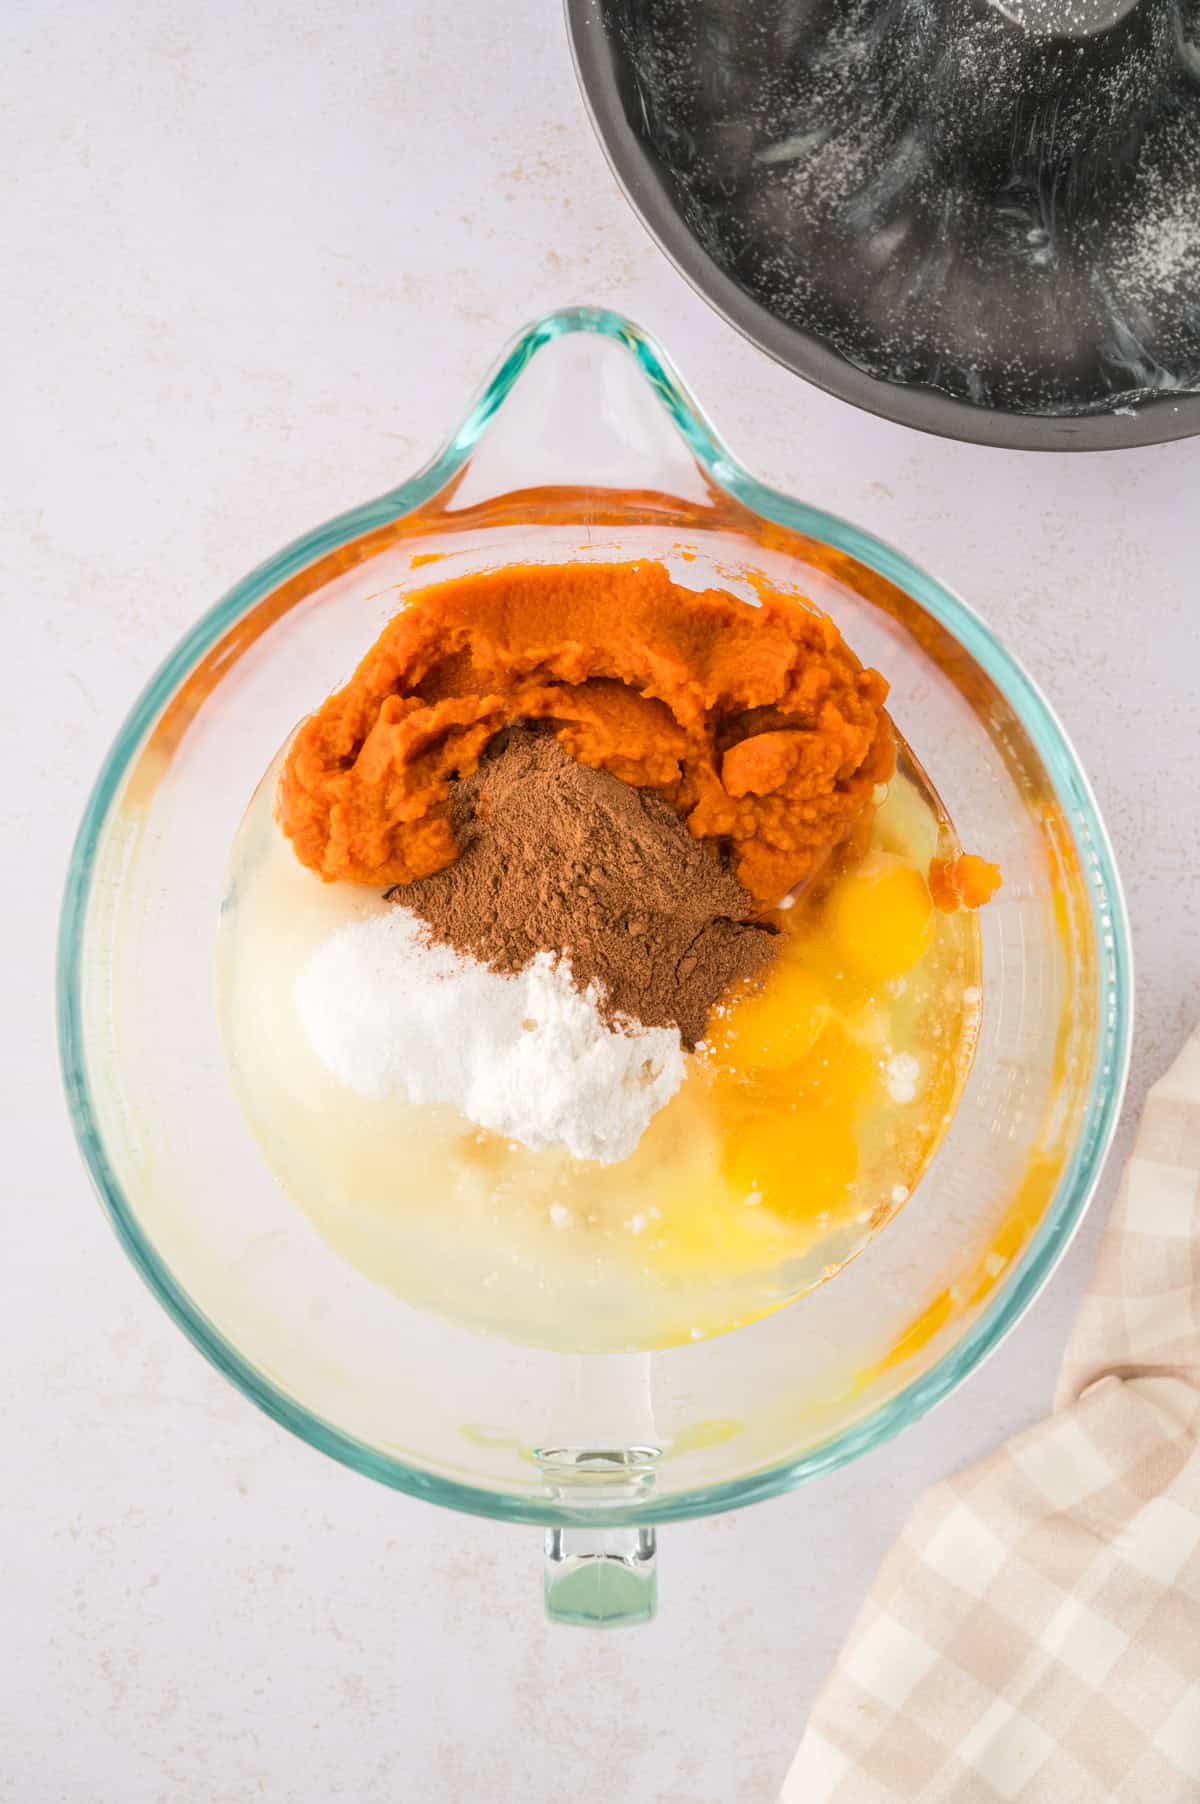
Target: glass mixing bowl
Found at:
584, 445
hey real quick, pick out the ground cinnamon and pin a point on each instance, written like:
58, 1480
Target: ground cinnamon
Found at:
559, 857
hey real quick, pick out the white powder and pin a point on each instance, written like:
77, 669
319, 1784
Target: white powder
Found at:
902, 1073
390, 1014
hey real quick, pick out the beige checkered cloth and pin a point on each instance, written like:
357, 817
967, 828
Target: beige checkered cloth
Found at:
1035, 1634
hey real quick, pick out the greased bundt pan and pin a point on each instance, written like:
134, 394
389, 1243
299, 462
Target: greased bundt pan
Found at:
979, 219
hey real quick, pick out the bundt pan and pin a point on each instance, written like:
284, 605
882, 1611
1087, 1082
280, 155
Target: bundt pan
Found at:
980, 220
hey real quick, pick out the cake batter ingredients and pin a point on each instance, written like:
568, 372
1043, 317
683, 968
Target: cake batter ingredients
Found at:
755, 723
509, 994
557, 857
803, 1120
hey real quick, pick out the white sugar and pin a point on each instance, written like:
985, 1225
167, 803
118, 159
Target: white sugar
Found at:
391, 1014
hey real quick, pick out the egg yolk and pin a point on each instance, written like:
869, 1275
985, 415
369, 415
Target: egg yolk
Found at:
787, 1126
792, 1072
777, 1026
797, 1165
882, 920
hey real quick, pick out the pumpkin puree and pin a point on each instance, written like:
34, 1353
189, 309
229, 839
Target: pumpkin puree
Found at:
756, 722
962, 882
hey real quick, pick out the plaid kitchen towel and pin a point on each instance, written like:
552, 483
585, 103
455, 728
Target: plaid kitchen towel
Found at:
1034, 1637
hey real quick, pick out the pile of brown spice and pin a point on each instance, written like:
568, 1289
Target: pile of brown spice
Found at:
558, 857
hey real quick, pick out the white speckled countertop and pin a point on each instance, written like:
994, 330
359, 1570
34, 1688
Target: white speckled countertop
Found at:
257, 257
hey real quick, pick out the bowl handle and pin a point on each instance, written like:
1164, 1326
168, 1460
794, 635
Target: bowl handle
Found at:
601, 1578
602, 1451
